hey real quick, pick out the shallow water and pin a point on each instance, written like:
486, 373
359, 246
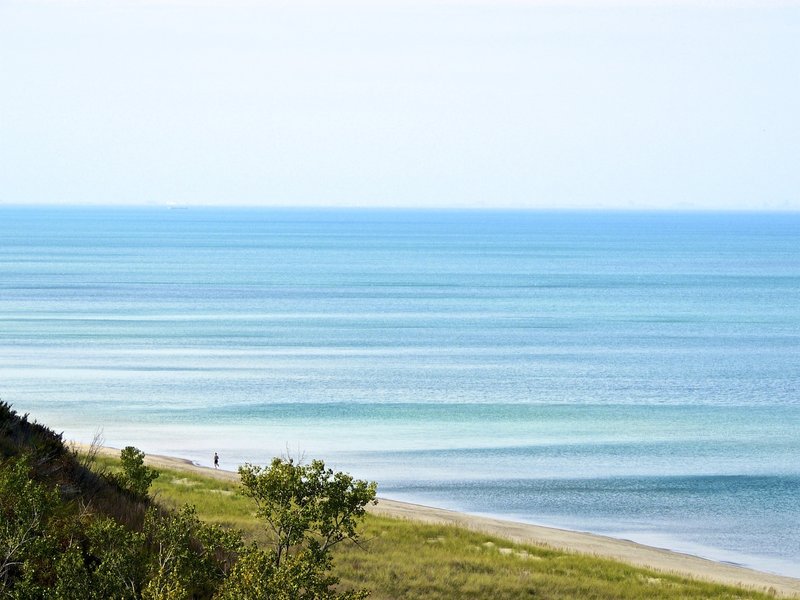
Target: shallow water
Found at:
625, 373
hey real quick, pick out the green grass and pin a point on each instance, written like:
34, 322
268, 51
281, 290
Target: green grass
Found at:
409, 560
404, 559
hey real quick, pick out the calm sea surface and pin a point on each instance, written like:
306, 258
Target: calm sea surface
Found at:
629, 374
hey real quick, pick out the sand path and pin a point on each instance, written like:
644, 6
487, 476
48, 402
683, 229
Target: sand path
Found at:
664, 561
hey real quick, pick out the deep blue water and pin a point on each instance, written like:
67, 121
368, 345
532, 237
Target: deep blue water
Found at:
636, 374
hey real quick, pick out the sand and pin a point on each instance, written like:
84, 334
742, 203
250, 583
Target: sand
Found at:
664, 561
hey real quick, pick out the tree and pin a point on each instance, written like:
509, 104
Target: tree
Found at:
307, 509
136, 477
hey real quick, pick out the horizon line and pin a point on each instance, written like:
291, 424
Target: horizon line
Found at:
434, 208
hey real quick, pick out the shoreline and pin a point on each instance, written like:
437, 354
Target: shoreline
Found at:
633, 553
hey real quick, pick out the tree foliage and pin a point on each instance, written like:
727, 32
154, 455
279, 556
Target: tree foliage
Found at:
68, 533
187, 558
307, 509
26, 510
136, 476
53, 547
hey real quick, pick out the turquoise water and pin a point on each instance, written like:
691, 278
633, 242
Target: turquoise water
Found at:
633, 374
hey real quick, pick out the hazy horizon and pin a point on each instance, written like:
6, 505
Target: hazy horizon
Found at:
409, 208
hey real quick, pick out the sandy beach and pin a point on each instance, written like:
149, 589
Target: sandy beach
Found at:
657, 559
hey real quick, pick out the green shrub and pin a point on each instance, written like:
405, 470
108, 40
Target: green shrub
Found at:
307, 510
26, 511
136, 477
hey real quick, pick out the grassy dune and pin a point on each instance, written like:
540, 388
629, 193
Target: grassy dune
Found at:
406, 559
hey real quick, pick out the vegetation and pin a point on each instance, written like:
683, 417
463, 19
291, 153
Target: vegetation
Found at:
397, 558
135, 476
308, 510
67, 531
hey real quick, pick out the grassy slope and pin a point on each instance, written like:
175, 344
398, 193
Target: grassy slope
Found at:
404, 559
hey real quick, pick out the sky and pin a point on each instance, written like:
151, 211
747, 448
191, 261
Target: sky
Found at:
631, 104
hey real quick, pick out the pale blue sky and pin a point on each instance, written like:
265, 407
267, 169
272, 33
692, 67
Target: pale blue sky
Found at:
402, 103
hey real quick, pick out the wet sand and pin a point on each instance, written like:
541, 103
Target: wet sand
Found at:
664, 561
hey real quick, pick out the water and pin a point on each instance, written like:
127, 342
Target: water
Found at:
631, 374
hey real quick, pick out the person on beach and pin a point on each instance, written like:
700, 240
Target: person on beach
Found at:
216, 460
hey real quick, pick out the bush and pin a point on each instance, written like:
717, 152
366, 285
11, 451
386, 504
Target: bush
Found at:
26, 511
136, 477
307, 509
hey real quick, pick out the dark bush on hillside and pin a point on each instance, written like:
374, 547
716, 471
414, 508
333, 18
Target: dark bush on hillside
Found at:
18, 436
